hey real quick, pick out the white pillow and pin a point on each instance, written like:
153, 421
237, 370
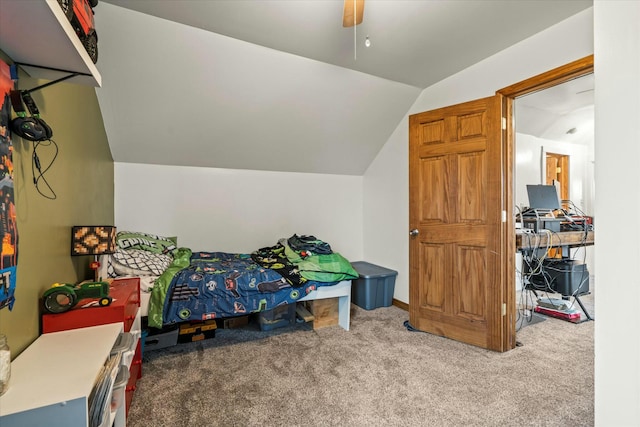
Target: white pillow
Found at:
138, 262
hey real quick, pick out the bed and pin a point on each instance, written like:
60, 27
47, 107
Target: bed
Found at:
180, 285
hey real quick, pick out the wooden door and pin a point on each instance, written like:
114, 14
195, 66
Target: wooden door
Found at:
558, 171
457, 286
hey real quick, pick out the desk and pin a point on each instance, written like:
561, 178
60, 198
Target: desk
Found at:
537, 244
557, 239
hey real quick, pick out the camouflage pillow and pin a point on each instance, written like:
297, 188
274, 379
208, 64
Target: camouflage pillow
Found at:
147, 242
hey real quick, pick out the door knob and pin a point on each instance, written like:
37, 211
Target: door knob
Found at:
414, 232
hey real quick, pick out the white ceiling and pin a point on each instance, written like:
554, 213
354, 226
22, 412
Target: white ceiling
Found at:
280, 85
416, 42
561, 113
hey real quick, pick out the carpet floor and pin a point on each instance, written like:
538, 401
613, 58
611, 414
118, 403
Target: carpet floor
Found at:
378, 373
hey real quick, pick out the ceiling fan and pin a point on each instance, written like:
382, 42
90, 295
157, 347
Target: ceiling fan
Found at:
352, 13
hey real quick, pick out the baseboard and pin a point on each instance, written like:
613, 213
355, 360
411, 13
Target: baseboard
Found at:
400, 304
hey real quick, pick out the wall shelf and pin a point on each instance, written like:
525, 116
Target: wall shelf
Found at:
37, 32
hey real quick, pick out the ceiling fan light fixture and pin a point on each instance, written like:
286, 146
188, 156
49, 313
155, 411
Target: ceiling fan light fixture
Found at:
352, 13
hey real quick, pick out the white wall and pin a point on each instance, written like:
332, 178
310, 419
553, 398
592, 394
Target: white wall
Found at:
529, 161
386, 182
617, 154
239, 210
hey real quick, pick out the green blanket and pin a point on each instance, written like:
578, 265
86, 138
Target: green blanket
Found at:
322, 268
181, 260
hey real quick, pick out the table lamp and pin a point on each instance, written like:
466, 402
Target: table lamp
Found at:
93, 240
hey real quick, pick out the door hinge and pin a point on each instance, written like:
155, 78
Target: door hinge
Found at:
504, 123
504, 216
504, 308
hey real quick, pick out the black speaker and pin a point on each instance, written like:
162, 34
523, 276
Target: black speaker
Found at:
32, 128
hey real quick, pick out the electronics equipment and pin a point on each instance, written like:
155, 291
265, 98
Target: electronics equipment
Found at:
543, 197
555, 303
576, 222
571, 315
543, 200
35, 113
543, 223
565, 276
32, 128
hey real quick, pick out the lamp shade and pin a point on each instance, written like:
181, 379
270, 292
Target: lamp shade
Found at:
93, 239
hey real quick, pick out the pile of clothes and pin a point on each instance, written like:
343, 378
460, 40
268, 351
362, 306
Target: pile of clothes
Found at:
302, 258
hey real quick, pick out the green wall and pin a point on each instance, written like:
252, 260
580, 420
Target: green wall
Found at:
82, 179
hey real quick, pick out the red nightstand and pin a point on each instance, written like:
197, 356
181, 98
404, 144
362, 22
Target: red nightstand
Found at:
125, 308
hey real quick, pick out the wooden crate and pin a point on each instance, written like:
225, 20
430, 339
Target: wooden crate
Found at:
196, 331
325, 312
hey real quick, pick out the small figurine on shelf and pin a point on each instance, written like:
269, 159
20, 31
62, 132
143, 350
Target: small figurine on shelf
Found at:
64, 296
80, 15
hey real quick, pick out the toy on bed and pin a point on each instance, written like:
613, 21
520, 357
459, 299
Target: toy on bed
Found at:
199, 286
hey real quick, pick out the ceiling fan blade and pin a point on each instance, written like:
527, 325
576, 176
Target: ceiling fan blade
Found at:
351, 17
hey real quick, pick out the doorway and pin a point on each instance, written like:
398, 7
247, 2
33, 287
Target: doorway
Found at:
554, 141
557, 173
547, 161
490, 304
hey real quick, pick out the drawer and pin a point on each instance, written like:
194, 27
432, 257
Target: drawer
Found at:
129, 349
136, 364
164, 338
128, 291
135, 373
131, 309
125, 348
136, 326
130, 355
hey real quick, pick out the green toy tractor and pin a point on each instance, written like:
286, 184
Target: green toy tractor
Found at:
64, 296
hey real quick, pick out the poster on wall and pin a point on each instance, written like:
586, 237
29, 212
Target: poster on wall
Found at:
9, 232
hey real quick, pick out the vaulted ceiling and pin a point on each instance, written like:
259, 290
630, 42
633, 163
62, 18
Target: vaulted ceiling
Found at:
561, 113
281, 85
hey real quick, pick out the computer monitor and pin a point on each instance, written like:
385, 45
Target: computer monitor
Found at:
543, 197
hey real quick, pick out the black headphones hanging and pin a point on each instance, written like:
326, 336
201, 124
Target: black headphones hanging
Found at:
32, 128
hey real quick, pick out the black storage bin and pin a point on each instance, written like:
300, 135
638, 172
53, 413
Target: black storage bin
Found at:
565, 276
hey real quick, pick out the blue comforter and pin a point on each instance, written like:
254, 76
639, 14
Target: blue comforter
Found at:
211, 285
